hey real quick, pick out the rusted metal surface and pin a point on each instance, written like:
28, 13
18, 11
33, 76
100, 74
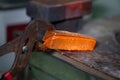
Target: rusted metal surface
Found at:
106, 56
23, 45
105, 59
57, 10
103, 62
9, 47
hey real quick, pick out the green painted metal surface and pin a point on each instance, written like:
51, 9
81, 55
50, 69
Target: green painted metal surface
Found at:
46, 67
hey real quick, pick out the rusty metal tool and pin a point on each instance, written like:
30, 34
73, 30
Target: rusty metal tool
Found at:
30, 40
23, 46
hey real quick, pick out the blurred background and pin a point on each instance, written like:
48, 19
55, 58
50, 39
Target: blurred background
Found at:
13, 19
13, 15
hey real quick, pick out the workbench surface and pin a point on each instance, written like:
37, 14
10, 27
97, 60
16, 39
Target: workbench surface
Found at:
104, 61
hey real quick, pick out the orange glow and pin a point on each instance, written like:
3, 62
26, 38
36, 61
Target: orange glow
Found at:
64, 40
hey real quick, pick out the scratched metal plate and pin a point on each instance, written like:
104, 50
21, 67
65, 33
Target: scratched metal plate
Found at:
106, 56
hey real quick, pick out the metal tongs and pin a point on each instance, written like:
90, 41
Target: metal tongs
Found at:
23, 46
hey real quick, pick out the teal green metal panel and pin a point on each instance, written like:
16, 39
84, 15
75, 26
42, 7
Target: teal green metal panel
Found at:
46, 67
40, 75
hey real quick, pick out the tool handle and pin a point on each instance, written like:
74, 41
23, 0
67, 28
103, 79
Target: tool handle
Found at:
6, 76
